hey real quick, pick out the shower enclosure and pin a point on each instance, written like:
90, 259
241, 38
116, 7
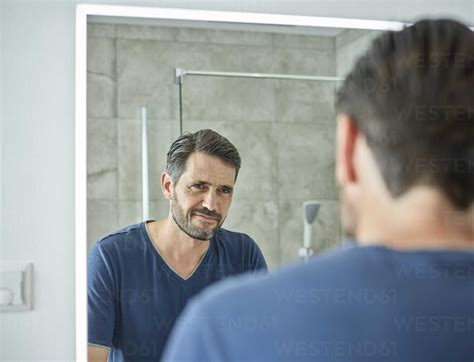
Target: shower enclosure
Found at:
269, 92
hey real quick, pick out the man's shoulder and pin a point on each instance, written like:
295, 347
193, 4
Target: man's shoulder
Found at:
343, 267
329, 265
234, 240
120, 236
225, 235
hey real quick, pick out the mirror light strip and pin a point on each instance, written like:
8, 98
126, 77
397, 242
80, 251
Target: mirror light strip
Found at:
81, 184
240, 17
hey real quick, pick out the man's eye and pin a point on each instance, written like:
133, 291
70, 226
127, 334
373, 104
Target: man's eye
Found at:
197, 186
225, 191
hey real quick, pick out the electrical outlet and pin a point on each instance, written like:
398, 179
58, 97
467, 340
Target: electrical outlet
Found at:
16, 282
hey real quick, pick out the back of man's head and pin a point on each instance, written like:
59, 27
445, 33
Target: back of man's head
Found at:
412, 97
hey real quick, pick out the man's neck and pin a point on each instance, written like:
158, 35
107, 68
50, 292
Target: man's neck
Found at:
423, 219
170, 240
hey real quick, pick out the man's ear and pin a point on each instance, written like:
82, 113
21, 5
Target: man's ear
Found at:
346, 137
167, 185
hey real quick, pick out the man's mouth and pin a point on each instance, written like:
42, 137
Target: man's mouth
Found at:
205, 217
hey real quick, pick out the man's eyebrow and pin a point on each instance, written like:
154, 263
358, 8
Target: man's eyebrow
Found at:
199, 182
209, 184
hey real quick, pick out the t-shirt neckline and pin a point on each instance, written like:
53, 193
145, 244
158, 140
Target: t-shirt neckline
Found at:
168, 267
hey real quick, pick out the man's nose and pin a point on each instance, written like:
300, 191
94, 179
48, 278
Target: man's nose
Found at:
210, 200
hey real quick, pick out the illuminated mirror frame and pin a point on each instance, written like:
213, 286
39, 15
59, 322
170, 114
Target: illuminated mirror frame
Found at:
82, 13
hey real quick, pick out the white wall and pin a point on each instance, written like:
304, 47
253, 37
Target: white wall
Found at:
38, 174
1, 132
37, 150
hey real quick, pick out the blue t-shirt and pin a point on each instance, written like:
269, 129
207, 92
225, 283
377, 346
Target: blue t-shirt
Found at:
355, 304
134, 297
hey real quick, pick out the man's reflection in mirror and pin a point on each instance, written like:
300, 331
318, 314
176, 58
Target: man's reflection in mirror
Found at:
140, 277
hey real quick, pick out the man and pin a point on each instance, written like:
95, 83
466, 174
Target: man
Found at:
405, 153
140, 278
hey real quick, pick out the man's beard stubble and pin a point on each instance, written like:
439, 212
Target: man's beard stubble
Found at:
184, 223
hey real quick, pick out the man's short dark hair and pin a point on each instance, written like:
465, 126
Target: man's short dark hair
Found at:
206, 141
412, 96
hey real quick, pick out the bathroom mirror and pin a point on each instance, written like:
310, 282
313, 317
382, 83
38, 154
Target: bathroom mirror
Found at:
283, 128
266, 82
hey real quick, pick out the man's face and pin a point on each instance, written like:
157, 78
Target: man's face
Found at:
202, 196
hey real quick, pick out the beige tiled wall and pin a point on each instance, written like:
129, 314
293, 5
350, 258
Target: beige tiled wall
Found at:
284, 130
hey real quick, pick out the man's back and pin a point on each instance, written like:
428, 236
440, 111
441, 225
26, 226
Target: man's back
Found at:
357, 304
